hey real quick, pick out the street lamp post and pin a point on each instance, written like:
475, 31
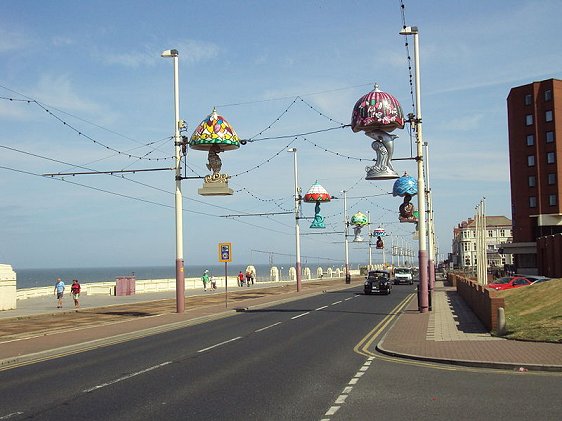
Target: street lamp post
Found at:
423, 292
180, 275
345, 221
297, 228
430, 224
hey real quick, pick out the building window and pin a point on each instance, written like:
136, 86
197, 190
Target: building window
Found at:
529, 120
548, 116
502, 233
552, 199
528, 99
474, 246
491, 247
551, 178
550, 158
532, 202
548, 95
531, 160
532, 182
530, 139
467, 261
549, 137
490, 233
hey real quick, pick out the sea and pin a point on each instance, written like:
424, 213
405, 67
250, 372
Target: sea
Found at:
30, 278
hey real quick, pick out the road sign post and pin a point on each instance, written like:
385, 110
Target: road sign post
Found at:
225, 255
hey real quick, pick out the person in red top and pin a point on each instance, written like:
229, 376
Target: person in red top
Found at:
75, 292
240, 279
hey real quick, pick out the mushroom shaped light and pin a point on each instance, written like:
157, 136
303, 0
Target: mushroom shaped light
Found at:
317, 194
405, 185
358, 220
216, 135
377, 110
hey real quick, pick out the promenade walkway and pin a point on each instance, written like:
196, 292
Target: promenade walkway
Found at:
450, 333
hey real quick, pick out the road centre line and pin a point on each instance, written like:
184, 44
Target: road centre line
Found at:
219, 344
337, 302
267, 327
320, 308
350, 298
128, 376
300, 315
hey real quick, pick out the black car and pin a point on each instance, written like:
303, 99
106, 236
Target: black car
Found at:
378, 282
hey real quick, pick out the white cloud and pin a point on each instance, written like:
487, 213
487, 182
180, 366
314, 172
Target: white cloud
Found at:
11, 41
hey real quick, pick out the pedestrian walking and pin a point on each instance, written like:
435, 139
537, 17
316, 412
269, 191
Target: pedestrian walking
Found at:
240, 279
59, 292
75, 292
213, 283
248, 277
205, 279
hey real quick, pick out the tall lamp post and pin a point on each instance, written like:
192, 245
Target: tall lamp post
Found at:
423, 297
430, 224
180, 275
297, 228
345, 233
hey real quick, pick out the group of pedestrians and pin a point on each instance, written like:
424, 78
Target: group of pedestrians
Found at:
208, 279
249, 278
74, 292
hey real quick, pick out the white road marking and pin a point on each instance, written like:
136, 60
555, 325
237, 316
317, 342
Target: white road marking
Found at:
350, 298
332, 410
353, 381
128, 376
341, 399
364, 368
267, 327
13, 414
337, 302
321, 308
219, 344
347, 390
300, 315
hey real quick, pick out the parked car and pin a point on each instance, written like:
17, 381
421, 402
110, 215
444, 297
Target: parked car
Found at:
377, 282
535, 279
508, 282
403, 275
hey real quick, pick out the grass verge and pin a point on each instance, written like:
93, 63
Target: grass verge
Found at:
534, 312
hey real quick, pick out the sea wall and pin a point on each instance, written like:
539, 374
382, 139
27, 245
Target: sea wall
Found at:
143, 286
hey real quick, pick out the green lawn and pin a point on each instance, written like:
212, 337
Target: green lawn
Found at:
534, 312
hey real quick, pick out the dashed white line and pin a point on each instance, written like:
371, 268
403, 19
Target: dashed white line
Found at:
358, 374
341, 399
353, 381
300, 315
337, 302
13, 414
219, 344
128, 376
332, 410
320, 308
349, 298
267, 327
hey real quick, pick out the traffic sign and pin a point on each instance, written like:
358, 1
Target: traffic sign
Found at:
225, 252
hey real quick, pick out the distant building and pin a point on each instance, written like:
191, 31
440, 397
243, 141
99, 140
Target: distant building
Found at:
535, 160
498, 232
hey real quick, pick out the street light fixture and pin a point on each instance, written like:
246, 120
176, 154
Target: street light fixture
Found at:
423, 301
297, 228
346, 223
180, 275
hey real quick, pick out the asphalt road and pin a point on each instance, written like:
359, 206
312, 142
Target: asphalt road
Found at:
294, 361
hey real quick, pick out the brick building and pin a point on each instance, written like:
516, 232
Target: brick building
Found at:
535, 159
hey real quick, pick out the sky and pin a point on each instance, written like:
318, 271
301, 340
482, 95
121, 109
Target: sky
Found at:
83, 88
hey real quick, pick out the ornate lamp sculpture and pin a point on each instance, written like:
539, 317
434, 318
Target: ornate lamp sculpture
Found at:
379, 233
216, 135
406, 187
378, 113
317, 194
359, 220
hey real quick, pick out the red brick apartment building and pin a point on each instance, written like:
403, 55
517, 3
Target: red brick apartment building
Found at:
535, 160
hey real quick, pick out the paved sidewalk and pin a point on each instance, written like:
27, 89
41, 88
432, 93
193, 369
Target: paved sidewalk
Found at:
452, 334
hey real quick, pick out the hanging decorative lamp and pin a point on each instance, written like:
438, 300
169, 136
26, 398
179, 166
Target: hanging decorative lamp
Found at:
317, 194
215, 135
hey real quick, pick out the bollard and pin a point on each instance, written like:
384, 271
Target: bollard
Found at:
501, 329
